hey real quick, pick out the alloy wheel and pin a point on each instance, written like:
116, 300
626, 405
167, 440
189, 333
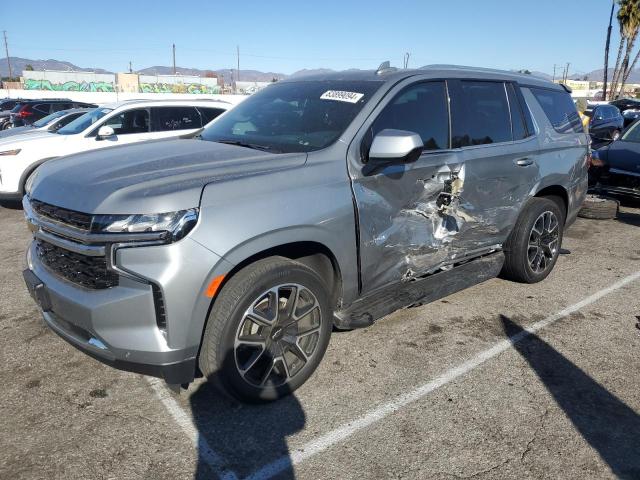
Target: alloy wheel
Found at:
278, 335
543, 242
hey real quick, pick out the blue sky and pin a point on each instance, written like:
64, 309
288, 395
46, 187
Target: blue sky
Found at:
285, 36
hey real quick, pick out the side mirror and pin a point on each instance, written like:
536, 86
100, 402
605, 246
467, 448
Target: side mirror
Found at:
395, 146
105, 131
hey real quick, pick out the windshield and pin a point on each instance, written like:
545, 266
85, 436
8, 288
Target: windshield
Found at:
48, 119
80, 124
293, 116
632, 134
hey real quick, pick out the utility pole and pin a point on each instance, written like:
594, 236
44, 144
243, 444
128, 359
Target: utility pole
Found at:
606, 53
238, 54
566, 73
6, 49
130, 67
406, 60
174, 58
554, 73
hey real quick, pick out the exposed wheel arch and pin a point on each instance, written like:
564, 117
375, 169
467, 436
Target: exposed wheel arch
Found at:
558, 194
315, 255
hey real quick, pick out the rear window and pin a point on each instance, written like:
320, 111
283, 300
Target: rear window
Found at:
559, 109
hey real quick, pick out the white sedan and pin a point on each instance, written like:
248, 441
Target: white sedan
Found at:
114, 124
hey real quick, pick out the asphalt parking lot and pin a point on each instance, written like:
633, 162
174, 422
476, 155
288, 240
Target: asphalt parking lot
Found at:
436, 391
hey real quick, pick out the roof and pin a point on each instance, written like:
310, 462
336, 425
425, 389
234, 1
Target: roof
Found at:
160, 103
436, 71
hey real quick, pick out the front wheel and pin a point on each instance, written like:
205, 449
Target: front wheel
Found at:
532, 249
267, 331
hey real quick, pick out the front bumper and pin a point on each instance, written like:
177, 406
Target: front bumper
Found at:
120, 325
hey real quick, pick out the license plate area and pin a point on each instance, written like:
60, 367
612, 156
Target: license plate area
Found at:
37, 290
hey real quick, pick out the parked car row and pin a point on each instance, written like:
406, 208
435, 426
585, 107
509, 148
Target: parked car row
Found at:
329, 200
114, 124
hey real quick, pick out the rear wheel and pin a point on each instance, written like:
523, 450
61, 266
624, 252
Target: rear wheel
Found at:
267, 331
532, 249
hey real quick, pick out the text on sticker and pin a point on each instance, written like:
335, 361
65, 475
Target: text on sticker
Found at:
351, 97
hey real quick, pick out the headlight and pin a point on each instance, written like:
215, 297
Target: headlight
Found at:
11, 152
176, 224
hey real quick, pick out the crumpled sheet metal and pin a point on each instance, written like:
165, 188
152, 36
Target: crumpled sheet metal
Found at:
429, 230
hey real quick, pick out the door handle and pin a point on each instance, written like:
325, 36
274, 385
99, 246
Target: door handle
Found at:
523, 162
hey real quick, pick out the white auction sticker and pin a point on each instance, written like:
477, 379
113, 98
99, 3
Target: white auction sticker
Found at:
340, 96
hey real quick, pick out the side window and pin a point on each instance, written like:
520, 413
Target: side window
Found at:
420, 108
42, 108
130, 121
479, 114
174, 118
559, 109
209, 114
518, 125
56, 107
68, 119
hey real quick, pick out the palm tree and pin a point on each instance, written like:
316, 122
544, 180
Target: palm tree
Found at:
606, 52
633, 26
629, 22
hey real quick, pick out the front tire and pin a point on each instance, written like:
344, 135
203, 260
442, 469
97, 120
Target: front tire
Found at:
267, 331
532, 249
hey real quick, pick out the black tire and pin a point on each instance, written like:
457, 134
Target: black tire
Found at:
517, 265
597, 207
218, 355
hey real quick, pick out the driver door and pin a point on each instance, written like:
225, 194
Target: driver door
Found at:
401, 232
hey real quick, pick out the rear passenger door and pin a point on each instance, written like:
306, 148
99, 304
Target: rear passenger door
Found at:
173, 121
494, 137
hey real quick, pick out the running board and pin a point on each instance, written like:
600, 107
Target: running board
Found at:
365, 311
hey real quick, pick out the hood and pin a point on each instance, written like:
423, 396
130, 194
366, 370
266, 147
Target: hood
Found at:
622, 155
150, 177
12, 132
35, 135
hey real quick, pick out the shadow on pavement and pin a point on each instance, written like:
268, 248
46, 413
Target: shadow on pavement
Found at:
245, 437
630, 218
11, 204
603, 420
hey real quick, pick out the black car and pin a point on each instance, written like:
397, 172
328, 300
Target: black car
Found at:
605, 124
29, 111
6, 106
625, 103
616, 167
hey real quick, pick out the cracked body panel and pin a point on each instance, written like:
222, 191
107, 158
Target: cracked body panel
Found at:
445, 207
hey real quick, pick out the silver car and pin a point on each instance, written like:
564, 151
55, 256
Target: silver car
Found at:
321, 202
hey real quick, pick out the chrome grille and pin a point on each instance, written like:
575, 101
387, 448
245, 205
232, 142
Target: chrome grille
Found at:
62, 215
87, 271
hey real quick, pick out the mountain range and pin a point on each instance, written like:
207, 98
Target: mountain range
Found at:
19, 64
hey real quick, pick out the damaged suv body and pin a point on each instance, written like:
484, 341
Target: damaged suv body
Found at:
326, 201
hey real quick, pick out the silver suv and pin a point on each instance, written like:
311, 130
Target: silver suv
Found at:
322, 202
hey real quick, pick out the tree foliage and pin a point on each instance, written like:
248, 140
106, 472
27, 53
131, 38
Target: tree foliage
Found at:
629, 24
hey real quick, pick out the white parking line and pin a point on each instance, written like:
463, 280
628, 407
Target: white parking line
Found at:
184, 421
341, 433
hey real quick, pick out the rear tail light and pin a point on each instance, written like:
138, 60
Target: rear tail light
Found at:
25, 112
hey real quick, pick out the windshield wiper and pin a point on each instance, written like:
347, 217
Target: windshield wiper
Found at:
254, 146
